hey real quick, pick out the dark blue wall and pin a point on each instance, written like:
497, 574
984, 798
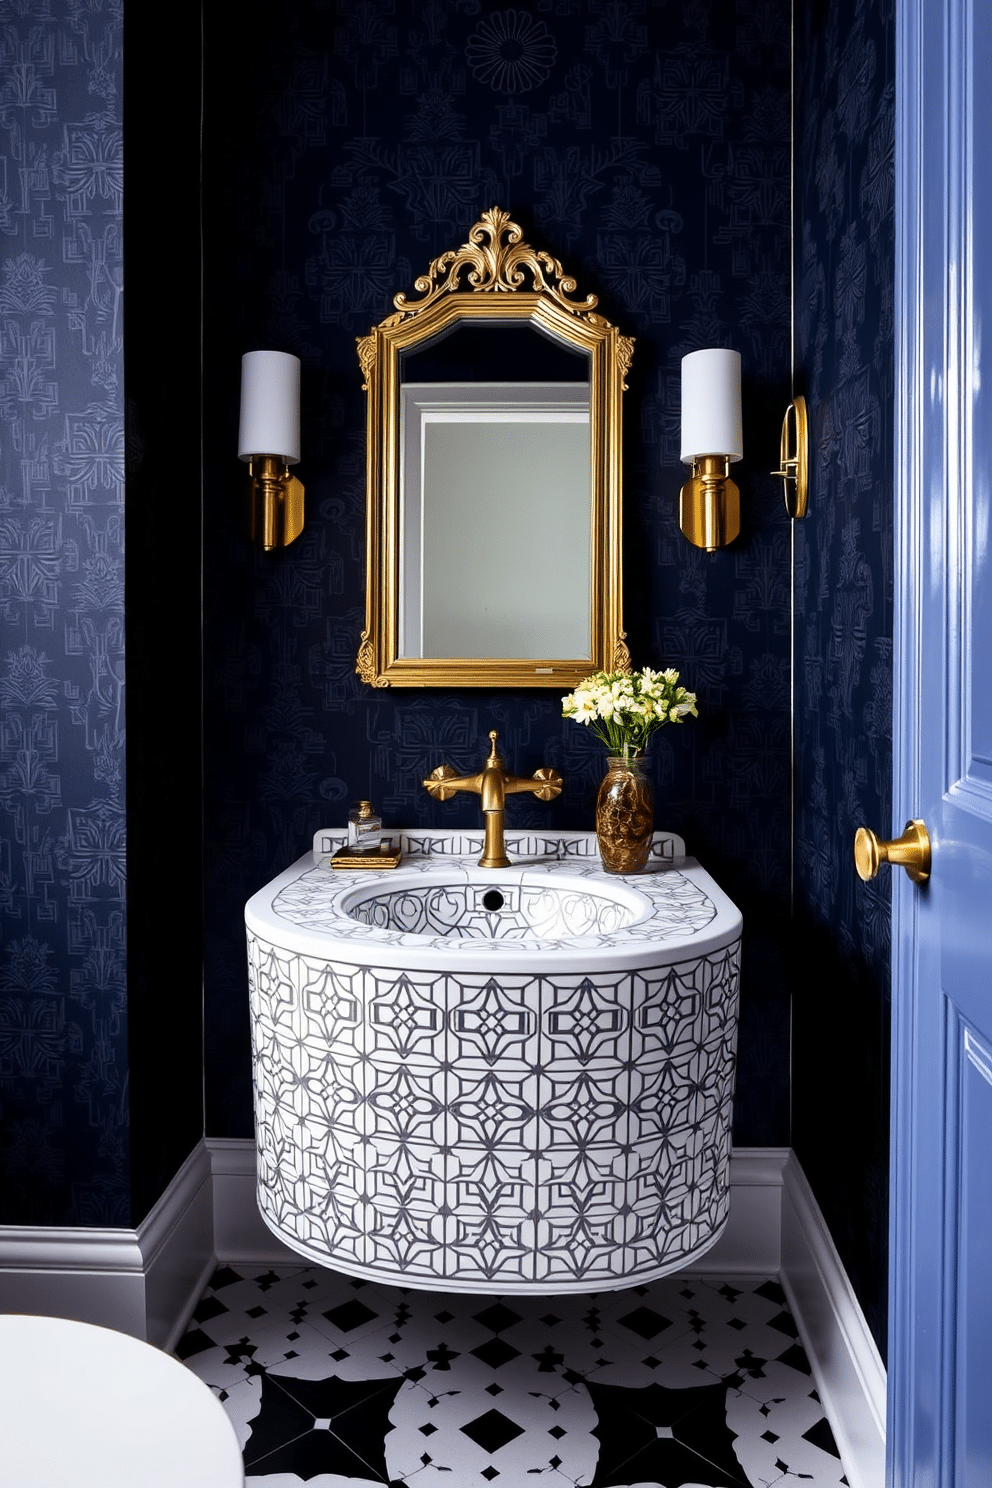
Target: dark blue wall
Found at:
63, 1023
845, 101
162, 599
647, 147
100, 1045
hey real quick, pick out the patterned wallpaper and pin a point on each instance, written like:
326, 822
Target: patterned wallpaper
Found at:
845, 95
346, 143
63, 1029
647, 146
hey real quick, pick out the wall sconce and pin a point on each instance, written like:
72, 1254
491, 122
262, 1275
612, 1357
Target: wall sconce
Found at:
269, 439
710, 503
794, 463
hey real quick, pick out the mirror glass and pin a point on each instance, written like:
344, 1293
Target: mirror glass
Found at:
493, 476
495, 466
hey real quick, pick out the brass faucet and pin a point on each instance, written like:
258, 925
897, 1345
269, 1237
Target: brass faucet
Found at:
493, 785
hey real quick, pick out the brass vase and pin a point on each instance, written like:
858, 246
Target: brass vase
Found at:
624, 815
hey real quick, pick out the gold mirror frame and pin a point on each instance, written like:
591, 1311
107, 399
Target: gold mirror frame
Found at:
495, 276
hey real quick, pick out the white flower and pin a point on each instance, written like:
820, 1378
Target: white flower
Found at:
624, 708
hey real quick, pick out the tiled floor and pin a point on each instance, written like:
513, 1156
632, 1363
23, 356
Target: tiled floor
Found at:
689, 1381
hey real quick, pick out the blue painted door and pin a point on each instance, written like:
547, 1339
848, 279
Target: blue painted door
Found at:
940, 1357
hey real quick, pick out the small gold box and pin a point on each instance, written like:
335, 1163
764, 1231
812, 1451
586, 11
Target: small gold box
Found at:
385, 857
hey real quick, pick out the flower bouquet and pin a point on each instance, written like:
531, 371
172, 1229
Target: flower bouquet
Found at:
624, 709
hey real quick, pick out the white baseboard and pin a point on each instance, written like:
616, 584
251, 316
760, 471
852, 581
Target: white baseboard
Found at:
144, 1282
240, 1232
177, 1244
95, 1276
751, 1242
147, 1281
846, 1363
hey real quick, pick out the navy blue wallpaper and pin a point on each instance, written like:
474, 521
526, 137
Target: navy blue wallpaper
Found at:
845, 99
645, 145
63, 1027
100, 1046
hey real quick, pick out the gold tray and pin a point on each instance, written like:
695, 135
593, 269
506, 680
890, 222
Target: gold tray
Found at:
384, 858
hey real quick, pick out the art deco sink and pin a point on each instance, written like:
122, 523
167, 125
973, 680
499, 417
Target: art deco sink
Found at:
495, 1080
486, 907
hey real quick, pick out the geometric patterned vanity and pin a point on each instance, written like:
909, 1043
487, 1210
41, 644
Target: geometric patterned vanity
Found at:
529, 1095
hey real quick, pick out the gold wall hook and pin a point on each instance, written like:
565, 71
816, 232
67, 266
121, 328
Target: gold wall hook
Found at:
794, 462
910, 851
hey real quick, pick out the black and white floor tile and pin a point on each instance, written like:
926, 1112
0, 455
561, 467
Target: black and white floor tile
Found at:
689, 1382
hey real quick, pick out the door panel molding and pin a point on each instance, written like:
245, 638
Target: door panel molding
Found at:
940, 1333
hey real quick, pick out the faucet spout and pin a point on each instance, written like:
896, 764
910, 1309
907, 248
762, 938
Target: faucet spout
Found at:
492, 785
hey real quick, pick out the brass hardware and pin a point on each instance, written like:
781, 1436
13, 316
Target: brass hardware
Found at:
710, 504
910, 851
794, 463
270, 421
385, 857
493, 785
494, 278
275, 511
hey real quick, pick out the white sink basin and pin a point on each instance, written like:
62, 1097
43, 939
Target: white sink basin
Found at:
488, 905
495, 1080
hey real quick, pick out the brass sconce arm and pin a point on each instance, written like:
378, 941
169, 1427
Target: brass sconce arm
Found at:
275, 502
269, 440
710, 504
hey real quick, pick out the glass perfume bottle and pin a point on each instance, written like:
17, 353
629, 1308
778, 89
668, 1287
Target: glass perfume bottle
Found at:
364, 828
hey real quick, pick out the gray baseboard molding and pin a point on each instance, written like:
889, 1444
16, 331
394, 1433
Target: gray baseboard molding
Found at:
177, 1243
240, 1232
93, 1275
846, 1363
751, 1243
144, 1281
147, 1281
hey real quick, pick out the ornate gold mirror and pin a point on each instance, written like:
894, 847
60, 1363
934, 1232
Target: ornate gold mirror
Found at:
493, 475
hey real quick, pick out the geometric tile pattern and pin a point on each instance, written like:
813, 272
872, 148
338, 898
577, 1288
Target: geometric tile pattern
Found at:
512, 912
552, 1117
669, 907
691, 1380
548, 894
494, 1133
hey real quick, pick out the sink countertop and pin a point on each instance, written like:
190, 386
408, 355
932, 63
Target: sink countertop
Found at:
674, 902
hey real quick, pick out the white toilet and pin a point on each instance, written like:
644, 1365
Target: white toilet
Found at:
99, 1409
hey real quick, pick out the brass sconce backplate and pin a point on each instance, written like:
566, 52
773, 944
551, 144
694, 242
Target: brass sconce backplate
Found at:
275, 503
794, 461
710, 504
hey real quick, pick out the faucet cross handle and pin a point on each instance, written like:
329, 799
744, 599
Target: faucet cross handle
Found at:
551, 783
436, 785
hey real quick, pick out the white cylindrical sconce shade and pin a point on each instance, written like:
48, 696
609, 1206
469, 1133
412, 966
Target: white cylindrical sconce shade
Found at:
711, 404
270, 405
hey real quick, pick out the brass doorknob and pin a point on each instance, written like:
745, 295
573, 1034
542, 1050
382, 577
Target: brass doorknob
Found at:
911, 851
